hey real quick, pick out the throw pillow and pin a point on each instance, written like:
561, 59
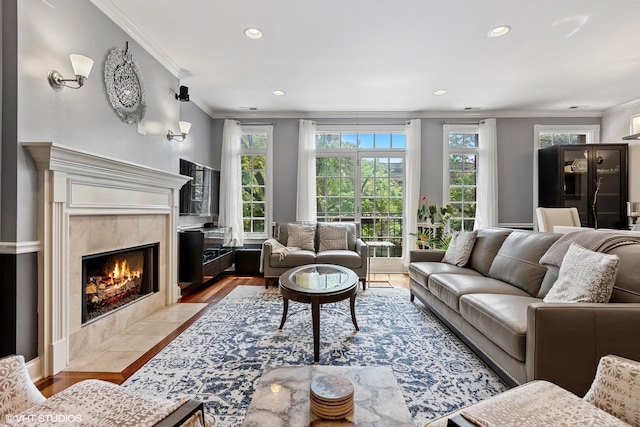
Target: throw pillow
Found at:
616, 388
460, 248
18, 391
301, 236
332, 237
585, 276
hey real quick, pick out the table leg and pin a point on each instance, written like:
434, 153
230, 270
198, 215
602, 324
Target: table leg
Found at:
315, 316
353, 312
285, 308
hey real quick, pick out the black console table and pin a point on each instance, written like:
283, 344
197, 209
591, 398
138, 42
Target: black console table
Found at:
202, 255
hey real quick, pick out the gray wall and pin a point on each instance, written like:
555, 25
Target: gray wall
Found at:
617, 124
84, 118
35, 39
515, 158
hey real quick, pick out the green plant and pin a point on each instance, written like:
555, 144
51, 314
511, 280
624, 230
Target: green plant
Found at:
436, 235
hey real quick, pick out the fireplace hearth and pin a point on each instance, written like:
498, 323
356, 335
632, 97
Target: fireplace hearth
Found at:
115, 279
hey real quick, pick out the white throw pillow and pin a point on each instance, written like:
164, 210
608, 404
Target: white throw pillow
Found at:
332, 237
17, 391
460, 248
301, 236
616, 388
585, 276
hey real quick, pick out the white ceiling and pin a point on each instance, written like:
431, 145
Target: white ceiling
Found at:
346, 56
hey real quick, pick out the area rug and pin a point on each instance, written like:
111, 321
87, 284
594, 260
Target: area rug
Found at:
220, 358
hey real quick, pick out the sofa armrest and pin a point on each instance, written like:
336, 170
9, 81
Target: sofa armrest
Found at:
566, 341
362, 248
265, 253
426, 255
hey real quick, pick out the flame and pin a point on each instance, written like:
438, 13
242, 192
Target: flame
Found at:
122, 272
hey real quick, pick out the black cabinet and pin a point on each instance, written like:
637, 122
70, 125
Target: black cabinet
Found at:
590, 177
202, 255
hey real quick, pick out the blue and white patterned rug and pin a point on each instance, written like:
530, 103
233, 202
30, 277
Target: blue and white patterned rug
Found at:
220, 358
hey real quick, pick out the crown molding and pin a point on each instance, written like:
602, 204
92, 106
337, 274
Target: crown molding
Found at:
622, 107
115, 14
478, 114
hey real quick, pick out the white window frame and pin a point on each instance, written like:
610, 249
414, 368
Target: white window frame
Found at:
268, 185
391, 265
446, 176
592, 133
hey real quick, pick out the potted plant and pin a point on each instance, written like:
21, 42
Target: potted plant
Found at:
433, 223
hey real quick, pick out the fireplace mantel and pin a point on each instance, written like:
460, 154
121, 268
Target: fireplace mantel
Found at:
74, 182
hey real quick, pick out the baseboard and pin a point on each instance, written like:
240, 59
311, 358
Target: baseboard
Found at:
34, 367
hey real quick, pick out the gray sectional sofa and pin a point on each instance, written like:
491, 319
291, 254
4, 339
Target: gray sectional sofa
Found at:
495, 304
354, 257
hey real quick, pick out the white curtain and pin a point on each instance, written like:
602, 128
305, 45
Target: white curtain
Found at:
413, 131
487, 188
306, 209
230, 182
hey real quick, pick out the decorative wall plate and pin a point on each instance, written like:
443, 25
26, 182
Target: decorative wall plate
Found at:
124, 86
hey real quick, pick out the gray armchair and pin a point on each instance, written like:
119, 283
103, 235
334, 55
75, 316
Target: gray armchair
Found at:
276, 258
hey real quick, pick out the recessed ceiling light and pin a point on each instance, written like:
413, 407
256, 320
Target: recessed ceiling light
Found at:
253, 33
439, 92
499, 31
278, 92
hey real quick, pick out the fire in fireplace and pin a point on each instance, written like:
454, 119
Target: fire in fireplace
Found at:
112, 280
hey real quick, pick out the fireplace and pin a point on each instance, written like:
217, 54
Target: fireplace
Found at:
115, 279
93, 204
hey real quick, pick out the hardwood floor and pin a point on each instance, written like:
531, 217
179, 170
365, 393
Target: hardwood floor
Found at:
210, 294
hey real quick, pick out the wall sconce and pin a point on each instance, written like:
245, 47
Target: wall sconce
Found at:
81, 68
184, 131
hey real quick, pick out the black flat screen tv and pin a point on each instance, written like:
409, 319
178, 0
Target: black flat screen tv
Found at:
200, 196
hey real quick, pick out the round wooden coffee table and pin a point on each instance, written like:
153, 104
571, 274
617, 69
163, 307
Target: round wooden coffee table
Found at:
318, 284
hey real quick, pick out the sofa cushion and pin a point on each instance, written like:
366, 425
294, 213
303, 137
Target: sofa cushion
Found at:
585, 276
353, 232
501, 318
302, 236
450, 287
616, 388
486, 247
349, 259
517, 260
293, 259
460, 248
282, 230
420, 271
332, 237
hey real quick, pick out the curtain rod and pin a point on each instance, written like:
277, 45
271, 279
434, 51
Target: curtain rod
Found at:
256, 123
361, 124
468, 122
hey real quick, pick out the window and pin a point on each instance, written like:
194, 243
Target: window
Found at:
360, 177
256, 147
547, 139
460, 179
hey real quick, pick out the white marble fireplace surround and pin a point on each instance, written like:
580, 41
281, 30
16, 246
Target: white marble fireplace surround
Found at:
89, 204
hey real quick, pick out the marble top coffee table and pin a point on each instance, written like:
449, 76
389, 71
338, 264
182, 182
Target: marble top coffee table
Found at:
282, 398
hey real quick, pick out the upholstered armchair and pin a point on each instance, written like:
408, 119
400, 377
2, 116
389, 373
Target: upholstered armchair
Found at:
296, 244
87, 403
566, 219
612, 400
